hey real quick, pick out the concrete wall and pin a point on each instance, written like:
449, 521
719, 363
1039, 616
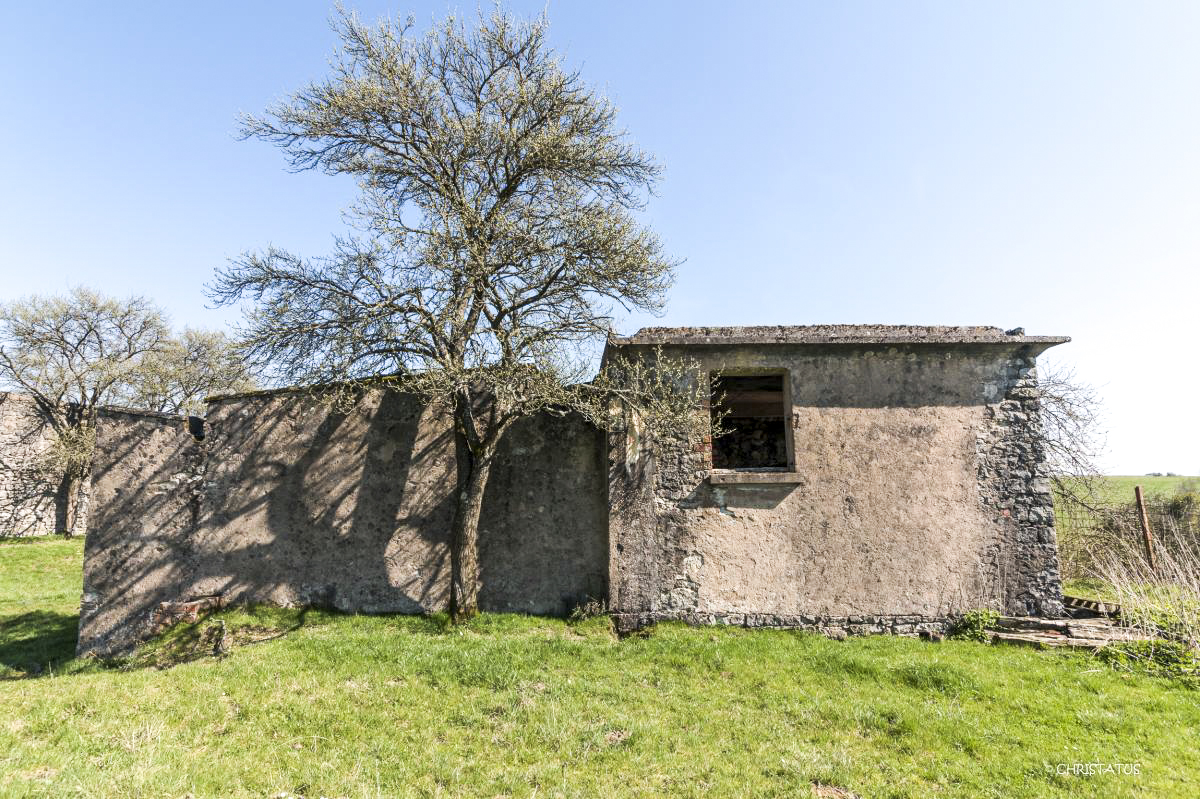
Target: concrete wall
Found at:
544, 524
27, 493
306, 505
145, 503
915, 492
915, 495
298, 503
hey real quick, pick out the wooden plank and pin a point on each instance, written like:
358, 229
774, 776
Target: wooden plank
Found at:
1047, 641
1091, 605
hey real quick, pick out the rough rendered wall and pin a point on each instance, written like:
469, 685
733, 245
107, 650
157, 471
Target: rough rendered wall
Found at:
27, 493
904, 457
145, 500
544, 525
306, 505
302, 504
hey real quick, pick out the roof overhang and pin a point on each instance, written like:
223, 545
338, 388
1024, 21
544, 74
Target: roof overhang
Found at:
826, 335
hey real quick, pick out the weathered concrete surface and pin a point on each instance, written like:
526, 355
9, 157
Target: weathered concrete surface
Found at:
916, 494
27, 493
914, 490
871, 335
307, 505
544, 526
145, 503
301, 504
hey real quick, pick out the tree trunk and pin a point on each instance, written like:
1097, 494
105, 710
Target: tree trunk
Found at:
464, 551
82, 505
64, 500
473, 457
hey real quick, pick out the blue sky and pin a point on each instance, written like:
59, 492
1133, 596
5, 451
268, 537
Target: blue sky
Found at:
1033, 164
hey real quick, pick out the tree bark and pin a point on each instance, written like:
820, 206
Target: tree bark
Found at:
473, 457
83, 504
464, 553
72, 503
63, 503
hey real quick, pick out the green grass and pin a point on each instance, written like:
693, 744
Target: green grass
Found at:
1119, 488
40, 584
356, 706
1090, 588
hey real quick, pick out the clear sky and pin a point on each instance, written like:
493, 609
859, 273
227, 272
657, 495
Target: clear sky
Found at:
1016, 163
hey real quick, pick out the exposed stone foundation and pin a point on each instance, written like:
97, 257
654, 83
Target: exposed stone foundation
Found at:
837, 627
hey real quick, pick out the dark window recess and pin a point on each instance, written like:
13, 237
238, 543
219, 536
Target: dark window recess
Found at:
754, 422
196, 427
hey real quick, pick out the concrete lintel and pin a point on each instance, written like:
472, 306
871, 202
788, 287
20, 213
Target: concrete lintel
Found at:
744, 478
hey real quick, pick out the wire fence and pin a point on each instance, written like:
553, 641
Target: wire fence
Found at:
1091, 532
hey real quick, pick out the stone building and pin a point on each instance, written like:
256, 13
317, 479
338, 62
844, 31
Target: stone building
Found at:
873, 478
29, 501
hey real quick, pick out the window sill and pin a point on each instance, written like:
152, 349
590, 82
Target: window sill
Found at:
733, 477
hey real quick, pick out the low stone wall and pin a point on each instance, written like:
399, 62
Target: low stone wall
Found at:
833, 626
145, 503
291, 502
28, 494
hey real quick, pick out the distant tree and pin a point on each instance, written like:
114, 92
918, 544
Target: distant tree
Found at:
178, 376
72, 355
496, 192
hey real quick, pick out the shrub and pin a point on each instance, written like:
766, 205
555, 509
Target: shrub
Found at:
590, 608
1184, 510
1163, 600
974, 624
1157, 657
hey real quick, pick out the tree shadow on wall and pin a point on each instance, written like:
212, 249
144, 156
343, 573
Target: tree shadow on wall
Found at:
30, 500
360, 520
301, 504
35, 643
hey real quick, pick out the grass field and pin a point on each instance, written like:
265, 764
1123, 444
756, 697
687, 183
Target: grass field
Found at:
1079, 528
1120, 488
355, 706
40, 585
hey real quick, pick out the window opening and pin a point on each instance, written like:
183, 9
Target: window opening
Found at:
754, 421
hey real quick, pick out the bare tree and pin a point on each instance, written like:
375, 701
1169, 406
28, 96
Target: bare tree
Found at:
1072, 434
178, 376
73, 354
497, 196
